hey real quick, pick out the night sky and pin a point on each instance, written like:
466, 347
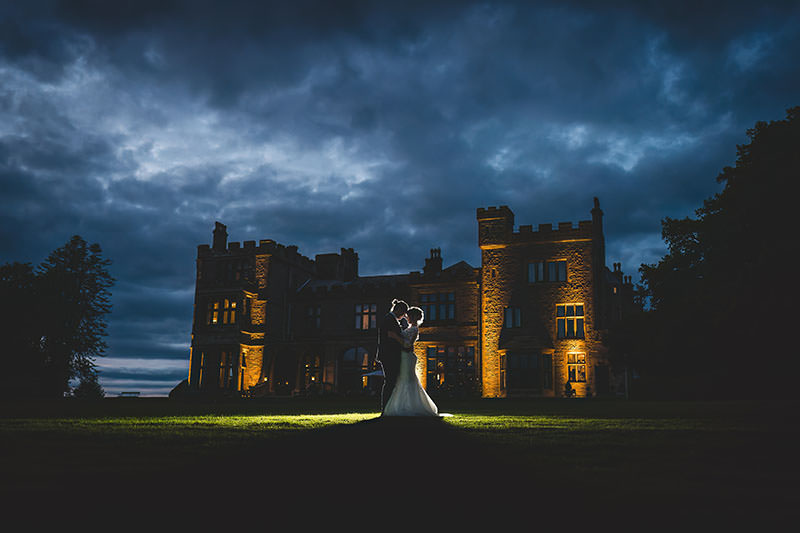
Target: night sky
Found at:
378, 126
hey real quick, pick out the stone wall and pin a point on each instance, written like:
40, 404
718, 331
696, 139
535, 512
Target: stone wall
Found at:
504, 276
254, 356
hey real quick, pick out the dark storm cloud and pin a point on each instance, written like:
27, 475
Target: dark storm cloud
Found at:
377, 126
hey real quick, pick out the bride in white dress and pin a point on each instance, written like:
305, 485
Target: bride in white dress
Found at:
408, 397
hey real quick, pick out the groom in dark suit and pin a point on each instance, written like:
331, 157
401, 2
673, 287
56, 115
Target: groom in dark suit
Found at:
389, 346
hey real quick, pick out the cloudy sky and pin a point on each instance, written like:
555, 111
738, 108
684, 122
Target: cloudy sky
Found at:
138, 124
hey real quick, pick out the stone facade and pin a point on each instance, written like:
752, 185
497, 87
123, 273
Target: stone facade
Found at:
527, 322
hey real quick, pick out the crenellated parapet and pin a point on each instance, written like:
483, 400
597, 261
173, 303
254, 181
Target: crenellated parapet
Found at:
249, 248
564, 232
502, 211
496, 230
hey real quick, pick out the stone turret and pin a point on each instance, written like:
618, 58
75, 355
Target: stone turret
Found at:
495, 226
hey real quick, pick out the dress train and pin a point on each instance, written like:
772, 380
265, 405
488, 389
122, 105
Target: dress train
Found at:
408, 397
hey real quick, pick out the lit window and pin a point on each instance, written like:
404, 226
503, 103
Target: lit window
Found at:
312, 371
569, 321
213, 313
513, 317
228, 311
576, 367
366, 316
450, 369
223, 312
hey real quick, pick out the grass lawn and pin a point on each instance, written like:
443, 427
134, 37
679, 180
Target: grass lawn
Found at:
608, 461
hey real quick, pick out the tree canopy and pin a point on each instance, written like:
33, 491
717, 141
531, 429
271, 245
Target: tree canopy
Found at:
56, 330
721, 298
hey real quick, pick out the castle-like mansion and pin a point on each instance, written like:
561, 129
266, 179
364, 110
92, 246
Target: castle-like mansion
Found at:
527, 322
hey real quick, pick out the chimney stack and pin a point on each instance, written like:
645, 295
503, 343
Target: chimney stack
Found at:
220, 237
433, 264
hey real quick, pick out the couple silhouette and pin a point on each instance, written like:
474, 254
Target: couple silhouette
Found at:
402, 393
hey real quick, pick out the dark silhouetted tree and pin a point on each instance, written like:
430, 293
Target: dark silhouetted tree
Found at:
54, 321
89, 388
722, 298
74, 283
20, 330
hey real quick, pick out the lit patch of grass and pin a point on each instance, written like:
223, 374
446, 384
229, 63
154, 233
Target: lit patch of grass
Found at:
181, 425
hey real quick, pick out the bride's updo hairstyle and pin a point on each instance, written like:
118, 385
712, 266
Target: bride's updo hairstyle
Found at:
415, 315
399, 307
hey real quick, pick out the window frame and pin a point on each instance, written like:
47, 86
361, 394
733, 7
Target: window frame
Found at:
545, 271
222, 312
212, 317
515, 314
576, 367
450, 368
571, 326
436, 304
229, 308
366, 315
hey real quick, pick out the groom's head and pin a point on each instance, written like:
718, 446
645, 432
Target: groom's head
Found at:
399, 308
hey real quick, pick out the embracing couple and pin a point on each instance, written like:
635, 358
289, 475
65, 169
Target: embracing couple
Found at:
402, 393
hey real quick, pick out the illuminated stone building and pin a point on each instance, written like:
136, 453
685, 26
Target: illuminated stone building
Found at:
529, 320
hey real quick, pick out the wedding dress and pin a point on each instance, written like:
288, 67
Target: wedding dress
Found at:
408, 397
